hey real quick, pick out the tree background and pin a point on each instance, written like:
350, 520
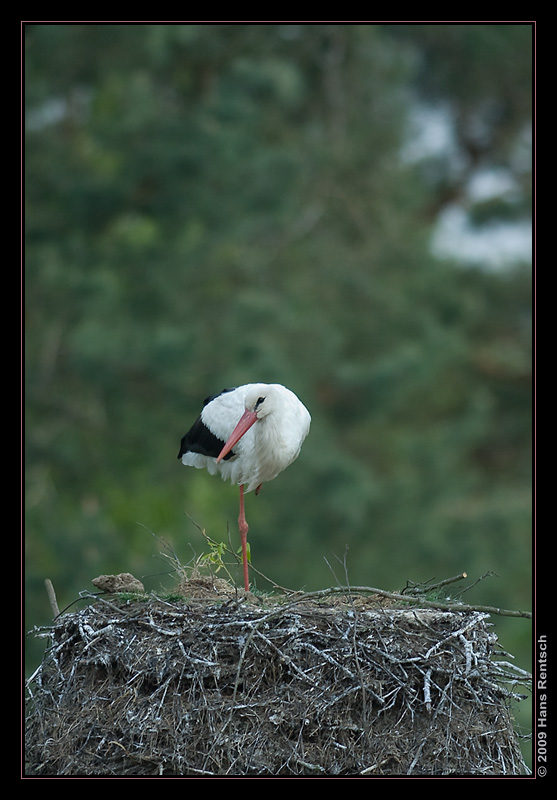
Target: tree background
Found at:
213, 204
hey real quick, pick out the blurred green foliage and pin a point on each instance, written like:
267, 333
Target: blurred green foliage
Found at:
207, 205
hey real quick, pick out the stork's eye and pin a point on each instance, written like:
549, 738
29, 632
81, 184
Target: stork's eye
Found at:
259, 401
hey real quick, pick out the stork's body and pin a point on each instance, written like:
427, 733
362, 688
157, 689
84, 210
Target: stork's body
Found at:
248, 435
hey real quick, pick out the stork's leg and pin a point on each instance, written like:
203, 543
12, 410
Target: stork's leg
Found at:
243, 526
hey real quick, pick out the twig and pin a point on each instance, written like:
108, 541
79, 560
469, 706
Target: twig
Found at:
504, 612
465, 628
52, 597
427, 690
488, 574
422, 588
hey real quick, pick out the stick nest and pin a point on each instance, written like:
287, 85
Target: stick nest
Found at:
214, 684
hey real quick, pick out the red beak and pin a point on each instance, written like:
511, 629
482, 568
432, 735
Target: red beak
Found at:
247, 420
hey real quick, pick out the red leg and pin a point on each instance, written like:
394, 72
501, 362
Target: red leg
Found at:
243, 526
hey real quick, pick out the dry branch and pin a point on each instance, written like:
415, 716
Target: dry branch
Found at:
418, 600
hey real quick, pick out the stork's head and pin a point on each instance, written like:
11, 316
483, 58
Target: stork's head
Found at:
259, 402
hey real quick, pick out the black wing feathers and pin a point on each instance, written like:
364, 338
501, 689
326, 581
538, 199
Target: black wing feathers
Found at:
199, 438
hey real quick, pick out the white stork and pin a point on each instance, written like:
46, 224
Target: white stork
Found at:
248, 435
